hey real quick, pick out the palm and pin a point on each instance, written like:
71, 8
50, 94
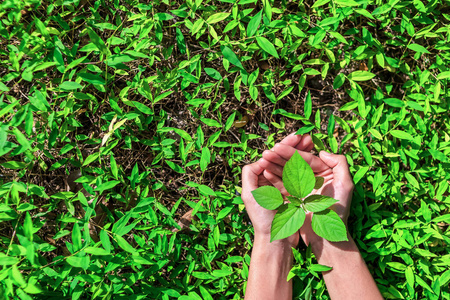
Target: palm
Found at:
337, 188
256, 175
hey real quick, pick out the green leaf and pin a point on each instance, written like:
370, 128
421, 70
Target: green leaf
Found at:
328, 224
346, 3
41, 27
162, 96
443, 75
394, 102
92, 78
267, 9
365, 152
118, 59
329, 21
26, 207
79, 262
28, 227
39, 101
91, 158
331, 126
96, 251
268, 197
319, 182
114, 169
213, 73
163, 17
70, 85
205, 158
76, 237
438, 155
44, 65
305, 129
418, 48
224, 212
124, 244
7, 260
254, 23
206, 190
231, 57
298, 177
318, 203
74, 63
13, 165
364, 12
217, 17
318, 38
339, 81
211, 122
320, 3
3, 87
180, 40
308, 105
98, 41
175, 167
267, 46
401, 135
230, 121
376, 133
412, 180
294, 200
320, 268
361, 76
339, 37
287, 221
22, 140
106, 186
143, 108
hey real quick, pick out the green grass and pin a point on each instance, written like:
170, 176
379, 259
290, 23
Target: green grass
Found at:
125, 126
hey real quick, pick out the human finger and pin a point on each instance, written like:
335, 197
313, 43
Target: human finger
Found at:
271, 167
286, 153
310, 147
292, 140
262, 181
272, 157
275, 181
339, 165
250, 178
306, 144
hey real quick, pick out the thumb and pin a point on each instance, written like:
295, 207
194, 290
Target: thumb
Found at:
339, 165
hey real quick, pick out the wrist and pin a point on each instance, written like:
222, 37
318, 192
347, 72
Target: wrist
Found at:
276, 255
263, 241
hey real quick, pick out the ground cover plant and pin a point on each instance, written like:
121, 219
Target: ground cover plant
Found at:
125, 126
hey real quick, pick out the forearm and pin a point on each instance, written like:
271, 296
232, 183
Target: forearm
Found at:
350, 277
269, 267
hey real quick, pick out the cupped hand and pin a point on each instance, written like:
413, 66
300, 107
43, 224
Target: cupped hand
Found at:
262, 173
338, 183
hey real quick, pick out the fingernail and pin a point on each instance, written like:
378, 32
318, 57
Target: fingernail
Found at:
326, 153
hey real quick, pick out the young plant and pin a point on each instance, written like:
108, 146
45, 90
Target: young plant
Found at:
299, 181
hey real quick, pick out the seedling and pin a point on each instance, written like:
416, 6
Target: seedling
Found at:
299, 181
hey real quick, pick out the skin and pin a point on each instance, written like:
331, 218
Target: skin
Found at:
271, 262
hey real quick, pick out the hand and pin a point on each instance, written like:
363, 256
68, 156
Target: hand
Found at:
333, 168
263, 173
